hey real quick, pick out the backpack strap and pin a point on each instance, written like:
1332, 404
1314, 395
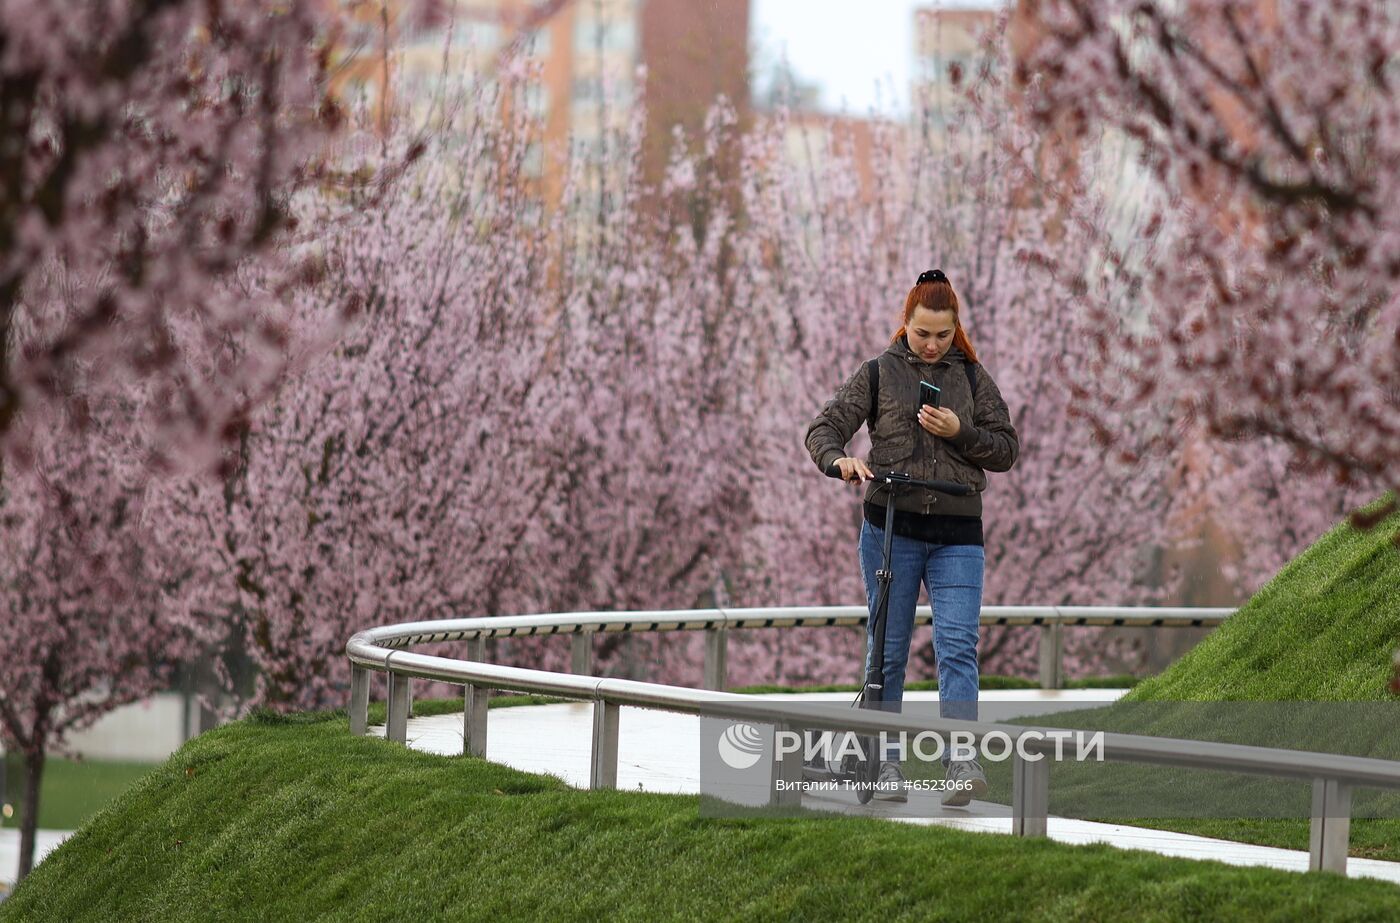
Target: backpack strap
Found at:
872, 372
971, 379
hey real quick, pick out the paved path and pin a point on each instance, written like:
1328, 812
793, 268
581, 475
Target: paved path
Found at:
659, 752
44, 840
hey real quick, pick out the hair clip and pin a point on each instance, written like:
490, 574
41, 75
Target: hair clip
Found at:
931, 275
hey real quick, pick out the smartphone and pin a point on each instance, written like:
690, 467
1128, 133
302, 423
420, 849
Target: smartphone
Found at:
929, 394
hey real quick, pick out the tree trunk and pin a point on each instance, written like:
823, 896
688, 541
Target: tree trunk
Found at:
33, 773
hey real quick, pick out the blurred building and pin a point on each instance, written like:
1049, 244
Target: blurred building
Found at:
596, 61
813, 136
694, 51
812, 139
947, 49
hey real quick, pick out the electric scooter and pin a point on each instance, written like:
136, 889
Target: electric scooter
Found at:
862, 768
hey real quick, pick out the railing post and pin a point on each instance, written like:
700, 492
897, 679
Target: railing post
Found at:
1052, 656
474, 721
716, 653
359, 699
1030, 796
581, 653
474, 704
786, 776
1331, 826
603, 769
400, 704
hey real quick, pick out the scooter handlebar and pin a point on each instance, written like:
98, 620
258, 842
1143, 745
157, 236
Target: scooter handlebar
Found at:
899, 477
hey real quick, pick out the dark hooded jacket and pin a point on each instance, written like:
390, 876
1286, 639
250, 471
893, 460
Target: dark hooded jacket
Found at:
986, 440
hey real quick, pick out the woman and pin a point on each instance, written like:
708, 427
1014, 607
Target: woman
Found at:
937, 537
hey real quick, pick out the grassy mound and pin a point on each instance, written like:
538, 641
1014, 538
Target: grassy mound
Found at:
1324, 629
290, 818
73, 790
296, 819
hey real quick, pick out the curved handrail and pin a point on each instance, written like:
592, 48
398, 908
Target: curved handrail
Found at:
1271, 761
368, 648
384, 649
506, 626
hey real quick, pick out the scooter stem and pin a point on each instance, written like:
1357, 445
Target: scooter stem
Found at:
875, 675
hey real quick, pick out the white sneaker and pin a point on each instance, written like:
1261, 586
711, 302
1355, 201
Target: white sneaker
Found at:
890, 786
966, 782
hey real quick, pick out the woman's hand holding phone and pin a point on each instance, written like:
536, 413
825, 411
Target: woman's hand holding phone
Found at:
854, 470
932, 415
940, 421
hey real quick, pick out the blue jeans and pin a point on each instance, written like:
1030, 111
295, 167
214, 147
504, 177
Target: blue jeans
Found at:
953, 575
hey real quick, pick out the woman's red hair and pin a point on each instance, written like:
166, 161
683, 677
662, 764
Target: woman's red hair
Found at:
937, 296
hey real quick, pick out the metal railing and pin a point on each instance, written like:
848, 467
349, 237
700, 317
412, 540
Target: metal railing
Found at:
716, 623
385, 649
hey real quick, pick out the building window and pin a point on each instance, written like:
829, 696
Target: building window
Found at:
538, 42
611, 35
483, 36
587, 90
536, 99
533, 162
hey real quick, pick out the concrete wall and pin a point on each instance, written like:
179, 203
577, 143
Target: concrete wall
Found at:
147, 731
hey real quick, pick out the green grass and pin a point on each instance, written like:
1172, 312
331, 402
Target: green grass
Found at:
75, 790
72, 790
293, 818
1324, 629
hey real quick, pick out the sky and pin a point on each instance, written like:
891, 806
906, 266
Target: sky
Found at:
846, 47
